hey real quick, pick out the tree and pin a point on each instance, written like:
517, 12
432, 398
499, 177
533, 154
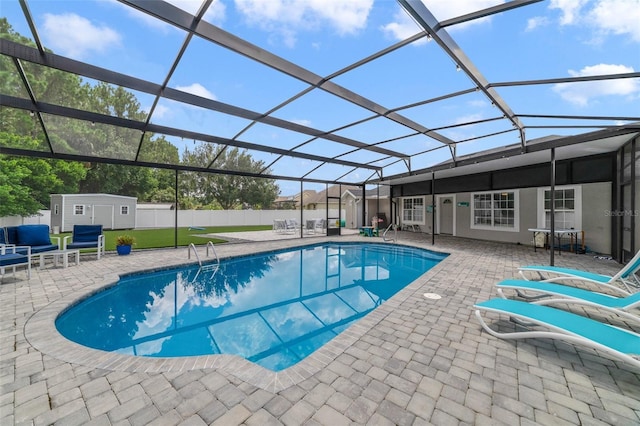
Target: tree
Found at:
15, 198
230, 191
78, 137
26, 183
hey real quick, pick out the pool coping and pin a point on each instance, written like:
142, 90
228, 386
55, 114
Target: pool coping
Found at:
41, 333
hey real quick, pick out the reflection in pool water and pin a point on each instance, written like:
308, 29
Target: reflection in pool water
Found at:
273, 309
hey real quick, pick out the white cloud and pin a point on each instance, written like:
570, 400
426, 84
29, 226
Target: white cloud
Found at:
582, 93
617, 17
216, 13
347, 17
287, 17
161, 111
570, 9
198, 90
403, 26
74, 36
479, 103
605, 17
190, 6
447, 9
468, 118
535, 22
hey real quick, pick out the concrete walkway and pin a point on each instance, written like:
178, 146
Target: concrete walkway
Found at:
412, 361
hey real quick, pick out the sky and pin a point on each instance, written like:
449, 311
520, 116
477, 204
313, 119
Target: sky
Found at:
549, 39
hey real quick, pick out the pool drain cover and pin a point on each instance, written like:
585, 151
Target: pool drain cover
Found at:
432, 296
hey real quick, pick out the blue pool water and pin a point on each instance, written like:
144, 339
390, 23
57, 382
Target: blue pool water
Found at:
274, 309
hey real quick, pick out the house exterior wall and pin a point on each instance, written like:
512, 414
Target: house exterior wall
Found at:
595, 202
593, 175
374, 206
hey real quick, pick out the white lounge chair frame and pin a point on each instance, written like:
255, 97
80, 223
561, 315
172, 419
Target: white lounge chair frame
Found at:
626, 276
12, 249
569, 295
566, 326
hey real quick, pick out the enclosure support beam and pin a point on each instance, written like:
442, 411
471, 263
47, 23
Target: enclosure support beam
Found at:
433, 208
553, 207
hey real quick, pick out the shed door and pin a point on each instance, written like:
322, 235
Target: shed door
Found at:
103, 215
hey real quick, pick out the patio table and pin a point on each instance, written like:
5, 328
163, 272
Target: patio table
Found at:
58, 255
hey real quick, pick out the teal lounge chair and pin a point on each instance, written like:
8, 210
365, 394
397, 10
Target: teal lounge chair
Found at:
626, 276
564, 294
566, 326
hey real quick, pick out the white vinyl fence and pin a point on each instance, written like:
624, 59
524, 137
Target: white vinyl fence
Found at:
149, 218
202, 218
43, 218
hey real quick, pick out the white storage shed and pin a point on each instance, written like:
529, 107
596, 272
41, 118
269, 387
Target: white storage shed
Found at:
110, 211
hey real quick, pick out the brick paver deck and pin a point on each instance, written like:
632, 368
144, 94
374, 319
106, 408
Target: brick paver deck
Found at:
413, 361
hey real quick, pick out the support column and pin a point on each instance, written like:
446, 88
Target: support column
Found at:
433, 208
175, 226
552, 235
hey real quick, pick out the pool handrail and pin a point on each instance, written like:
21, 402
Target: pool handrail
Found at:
395, 233
209, 267
213, 248
195, 251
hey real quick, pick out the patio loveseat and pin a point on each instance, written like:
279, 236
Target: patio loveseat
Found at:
35, 237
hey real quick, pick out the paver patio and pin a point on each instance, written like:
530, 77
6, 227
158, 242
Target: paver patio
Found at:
412, 361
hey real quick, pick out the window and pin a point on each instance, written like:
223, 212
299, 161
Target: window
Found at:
568, 200
78, 210
495, 210
56, 209
413, 210
124, 210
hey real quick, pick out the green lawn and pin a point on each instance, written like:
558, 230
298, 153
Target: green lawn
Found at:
159, 238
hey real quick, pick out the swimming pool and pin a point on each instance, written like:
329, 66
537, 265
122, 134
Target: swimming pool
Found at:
273, 309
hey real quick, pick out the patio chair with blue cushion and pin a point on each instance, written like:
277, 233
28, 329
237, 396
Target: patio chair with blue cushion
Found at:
625, 277
84, 237
617, 342
10, 258
547, 293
